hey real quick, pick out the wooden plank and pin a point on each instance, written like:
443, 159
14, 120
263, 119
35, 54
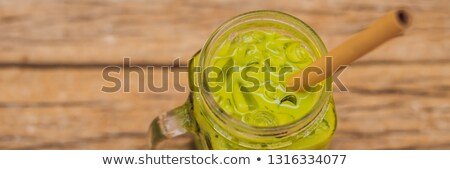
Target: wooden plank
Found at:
52, 32
394, 106
63, 108
66, 109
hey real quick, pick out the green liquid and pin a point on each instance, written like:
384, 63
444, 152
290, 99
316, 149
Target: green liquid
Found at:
264, 103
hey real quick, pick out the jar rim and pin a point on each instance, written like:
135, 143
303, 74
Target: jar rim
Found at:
225, 119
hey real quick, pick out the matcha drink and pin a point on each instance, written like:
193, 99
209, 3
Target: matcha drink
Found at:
266, 102
245, 104
238, 97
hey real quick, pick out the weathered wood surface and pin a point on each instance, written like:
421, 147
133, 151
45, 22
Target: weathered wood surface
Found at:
52, 54
99, 31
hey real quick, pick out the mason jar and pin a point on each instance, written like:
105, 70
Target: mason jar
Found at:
213, 128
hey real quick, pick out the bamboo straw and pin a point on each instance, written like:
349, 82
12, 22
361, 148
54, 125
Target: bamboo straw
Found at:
383, 29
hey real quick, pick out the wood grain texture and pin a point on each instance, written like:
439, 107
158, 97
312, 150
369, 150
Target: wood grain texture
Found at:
66, 109
105, 31
52, 54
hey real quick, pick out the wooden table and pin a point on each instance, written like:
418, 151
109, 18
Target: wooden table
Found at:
52, 54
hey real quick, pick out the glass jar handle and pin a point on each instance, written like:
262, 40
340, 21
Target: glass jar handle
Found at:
168, 125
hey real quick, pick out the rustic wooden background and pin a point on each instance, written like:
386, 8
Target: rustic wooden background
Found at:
52, 53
